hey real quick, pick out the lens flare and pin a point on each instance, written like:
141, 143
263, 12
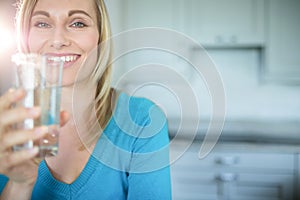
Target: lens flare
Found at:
7, 39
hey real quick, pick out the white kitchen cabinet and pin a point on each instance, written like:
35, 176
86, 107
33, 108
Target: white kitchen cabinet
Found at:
157, 46
283, 44
270, 26
145, 13
225, 23
234, 175
210, 22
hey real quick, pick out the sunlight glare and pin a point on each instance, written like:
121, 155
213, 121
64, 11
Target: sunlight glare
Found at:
7, 39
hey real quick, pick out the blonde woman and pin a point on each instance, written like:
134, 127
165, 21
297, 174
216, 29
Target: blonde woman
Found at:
111, 145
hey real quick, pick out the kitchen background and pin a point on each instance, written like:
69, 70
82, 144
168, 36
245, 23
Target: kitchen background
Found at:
255, 46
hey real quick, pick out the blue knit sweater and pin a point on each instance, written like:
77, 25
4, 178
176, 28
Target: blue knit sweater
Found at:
130, 160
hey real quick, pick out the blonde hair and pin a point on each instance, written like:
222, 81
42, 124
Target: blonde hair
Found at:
103, 69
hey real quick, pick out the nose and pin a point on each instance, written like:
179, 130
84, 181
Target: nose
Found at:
60, 39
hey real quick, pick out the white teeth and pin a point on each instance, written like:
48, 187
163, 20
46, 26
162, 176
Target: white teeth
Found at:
64, 58
54, 58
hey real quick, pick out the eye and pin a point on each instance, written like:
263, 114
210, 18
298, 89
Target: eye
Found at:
78, 25
41, 25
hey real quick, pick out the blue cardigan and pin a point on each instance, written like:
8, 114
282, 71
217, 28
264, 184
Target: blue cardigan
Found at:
130, 160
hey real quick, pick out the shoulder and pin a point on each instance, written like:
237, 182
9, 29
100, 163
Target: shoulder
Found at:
143, 122
134, 103
141, 111
138, 121
136, 132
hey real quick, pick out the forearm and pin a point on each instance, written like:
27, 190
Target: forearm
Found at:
17, 191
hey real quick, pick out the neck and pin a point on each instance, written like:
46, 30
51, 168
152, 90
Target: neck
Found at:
78, 101
77, 98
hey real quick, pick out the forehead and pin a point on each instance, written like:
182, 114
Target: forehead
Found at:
57, 7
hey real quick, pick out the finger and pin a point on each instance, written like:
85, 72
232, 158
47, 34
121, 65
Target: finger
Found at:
64, 118
22, 136
10, 97
13, 159
17, 115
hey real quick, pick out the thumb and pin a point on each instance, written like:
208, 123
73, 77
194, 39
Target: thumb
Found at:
64, 118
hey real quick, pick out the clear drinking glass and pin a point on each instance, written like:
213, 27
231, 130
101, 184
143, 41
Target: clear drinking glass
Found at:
41, 77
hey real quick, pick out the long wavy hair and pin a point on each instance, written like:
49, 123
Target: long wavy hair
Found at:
101, 74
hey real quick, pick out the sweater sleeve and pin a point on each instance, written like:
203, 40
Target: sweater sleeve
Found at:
3, 181
150, 186
149, 174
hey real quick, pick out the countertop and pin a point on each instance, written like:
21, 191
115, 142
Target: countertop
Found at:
263, 131
238, 147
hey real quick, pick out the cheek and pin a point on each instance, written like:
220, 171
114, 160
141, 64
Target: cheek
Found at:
88, 43
35, 42
89, 48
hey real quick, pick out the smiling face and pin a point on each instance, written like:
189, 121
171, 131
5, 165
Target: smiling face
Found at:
68, 29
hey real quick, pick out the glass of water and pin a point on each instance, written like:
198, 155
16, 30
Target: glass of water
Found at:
41, 77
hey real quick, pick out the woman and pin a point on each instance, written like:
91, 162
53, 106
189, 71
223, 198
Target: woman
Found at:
109, 148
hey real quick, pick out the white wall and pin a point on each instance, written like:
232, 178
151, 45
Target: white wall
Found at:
115, 9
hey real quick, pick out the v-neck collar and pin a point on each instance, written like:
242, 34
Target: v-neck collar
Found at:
59, 187
63, 188
47, 179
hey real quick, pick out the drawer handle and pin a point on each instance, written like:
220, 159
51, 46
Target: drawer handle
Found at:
227, 177
228, 160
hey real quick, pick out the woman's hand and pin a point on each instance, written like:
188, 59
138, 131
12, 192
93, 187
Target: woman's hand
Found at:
19, 166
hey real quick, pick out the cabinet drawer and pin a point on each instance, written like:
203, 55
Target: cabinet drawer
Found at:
239, 186
267, 186
234, 174
269, 161
202, 186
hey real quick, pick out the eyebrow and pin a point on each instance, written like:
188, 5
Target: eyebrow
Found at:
72, 12
39, 12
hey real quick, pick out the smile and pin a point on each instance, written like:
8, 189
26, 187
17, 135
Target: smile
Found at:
67, 59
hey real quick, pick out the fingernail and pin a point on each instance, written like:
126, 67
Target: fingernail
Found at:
34, 112
41, 130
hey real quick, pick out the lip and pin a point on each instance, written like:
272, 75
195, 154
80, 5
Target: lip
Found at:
68, 58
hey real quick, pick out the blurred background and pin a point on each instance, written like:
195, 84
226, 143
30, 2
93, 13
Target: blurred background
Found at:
255, 46
7, 41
